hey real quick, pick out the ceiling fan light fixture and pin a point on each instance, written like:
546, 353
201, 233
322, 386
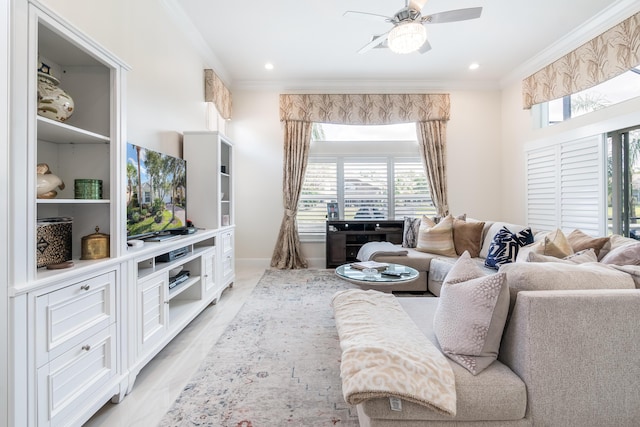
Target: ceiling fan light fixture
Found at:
407, 37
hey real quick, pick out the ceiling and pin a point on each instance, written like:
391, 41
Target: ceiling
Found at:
311, 44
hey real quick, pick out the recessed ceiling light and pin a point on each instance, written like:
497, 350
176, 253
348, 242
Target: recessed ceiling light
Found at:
474, 66
268, 66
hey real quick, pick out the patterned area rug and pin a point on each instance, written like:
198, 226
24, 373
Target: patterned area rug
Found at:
276, 364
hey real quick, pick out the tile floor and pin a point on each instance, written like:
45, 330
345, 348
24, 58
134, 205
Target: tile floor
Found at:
161, 380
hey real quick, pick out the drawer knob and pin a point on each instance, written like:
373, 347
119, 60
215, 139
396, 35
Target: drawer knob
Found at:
86, 347
85, 287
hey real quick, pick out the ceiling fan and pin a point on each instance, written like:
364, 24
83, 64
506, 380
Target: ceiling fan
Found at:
408, 33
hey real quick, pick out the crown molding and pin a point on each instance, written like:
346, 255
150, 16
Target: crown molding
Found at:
608, 18
360, 86
183, 22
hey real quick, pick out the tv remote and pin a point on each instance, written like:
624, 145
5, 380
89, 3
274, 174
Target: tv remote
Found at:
392, 273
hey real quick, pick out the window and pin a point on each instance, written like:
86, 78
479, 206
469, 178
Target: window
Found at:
352, 166
623, 182
615, 90
564, 186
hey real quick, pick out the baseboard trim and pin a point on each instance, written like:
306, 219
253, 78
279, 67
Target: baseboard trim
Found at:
265, 263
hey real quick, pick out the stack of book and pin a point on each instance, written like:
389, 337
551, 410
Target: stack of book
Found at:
380, 266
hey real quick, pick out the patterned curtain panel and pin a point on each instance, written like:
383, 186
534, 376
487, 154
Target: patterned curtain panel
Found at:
297, 138
614, 52
432, 140
364, 109
215, 91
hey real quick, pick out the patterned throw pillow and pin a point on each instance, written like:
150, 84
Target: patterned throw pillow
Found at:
436, 238
410, 232
471, 314
505, 245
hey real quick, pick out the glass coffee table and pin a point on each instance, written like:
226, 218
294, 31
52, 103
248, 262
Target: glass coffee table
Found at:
378, 280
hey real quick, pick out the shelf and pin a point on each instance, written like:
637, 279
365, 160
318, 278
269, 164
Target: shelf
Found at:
181, 309
73, 201
174, 292
61, 133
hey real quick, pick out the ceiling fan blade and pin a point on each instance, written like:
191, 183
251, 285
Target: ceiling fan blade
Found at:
417, 4
426, 47
366, 15
453, 16
377, 40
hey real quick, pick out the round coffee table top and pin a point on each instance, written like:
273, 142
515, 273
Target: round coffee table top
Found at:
379, 279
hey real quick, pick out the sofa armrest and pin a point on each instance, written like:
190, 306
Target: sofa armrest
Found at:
577, 352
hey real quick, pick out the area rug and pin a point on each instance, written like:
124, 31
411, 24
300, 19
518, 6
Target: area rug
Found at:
276, 364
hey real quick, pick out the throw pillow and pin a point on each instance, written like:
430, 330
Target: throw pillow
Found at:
436, 238
505, 245
410, 232
623, 255
471, 315
579, 241
436, 219
492, 229
587, 255
555, 244
467, 236
615, 241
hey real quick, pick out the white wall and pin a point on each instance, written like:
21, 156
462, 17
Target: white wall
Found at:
473, 161
4, 214
165, 88
518, 132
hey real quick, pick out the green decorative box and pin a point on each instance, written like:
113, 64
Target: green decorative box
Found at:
88, 189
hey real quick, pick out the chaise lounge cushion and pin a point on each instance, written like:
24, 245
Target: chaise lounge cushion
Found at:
494, 394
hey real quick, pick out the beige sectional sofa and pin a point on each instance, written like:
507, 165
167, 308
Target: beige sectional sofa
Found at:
433, 268
568, 354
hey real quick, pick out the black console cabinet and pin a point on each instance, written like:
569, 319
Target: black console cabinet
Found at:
344, 238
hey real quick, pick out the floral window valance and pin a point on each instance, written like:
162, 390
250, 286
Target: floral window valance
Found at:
613, 52
364, 109
215, 91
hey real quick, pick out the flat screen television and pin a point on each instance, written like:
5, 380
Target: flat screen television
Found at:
156, 193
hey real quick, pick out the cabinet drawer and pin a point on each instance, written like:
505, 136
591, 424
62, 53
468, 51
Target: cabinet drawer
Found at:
67, 316
75, 376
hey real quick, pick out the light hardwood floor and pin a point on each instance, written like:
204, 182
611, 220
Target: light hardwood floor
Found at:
161, 381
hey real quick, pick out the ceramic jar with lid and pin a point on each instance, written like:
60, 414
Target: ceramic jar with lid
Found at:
95, 245
53, 102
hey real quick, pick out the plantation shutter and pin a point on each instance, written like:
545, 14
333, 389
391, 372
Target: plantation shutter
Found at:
366, 189
581, 183
411, 190
320, 187
541, 189
565, 186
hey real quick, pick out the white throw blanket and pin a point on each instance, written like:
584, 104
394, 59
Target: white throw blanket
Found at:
370, 249
384, 354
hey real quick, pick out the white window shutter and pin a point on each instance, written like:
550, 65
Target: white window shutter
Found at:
566, 186
542, 188
582, 184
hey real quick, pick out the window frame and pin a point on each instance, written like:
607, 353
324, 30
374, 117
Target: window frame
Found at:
390, 160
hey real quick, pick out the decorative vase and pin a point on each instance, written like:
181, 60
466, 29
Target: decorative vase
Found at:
46, 182
53, 102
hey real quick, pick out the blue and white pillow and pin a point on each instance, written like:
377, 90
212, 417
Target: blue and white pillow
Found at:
505, 245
